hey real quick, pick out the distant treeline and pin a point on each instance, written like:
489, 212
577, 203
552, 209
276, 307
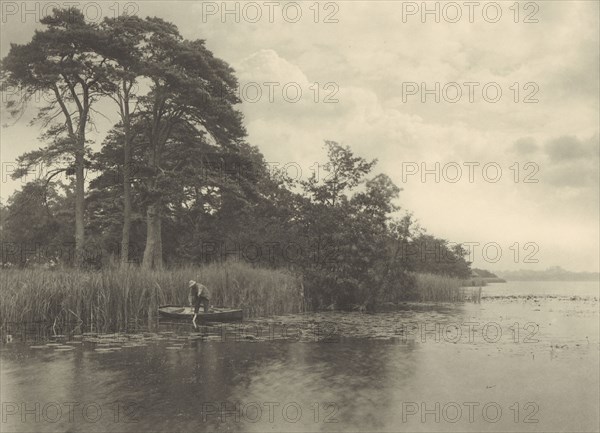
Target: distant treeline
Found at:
484, 276
555, 273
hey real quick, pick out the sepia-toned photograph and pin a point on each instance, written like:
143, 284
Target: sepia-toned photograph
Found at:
300, 216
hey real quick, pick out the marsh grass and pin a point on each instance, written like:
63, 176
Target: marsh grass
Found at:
115, 297
439, 288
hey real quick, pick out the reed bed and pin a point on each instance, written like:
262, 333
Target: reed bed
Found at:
115, 297
439, 288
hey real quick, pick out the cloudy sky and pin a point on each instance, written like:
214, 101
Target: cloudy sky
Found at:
516, 170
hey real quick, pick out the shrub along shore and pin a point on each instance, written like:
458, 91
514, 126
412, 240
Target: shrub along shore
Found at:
115, 297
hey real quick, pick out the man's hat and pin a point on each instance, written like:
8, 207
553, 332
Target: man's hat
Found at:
191, 283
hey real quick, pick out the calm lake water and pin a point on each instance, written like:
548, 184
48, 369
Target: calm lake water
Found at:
525, 359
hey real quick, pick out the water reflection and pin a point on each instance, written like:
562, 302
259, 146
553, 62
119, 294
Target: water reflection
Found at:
367, 375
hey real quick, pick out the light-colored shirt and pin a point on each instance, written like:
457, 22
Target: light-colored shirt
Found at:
198, 291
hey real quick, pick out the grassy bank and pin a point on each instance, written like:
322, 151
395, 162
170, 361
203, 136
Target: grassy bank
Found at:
114, 298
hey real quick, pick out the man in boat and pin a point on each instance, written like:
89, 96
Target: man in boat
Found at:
199, 295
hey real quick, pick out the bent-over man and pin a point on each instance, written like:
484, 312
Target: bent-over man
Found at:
199, 295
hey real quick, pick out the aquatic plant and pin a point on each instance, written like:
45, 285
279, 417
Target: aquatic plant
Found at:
116, 297
440, 288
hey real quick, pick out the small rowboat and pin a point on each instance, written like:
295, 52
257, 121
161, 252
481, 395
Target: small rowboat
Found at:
216, 314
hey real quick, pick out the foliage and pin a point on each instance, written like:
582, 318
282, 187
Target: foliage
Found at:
175, 181
63, 63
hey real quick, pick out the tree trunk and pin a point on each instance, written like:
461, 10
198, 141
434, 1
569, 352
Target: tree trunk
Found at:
80, 180
153, 251
79, 209
126, 209
126, 180
126, 118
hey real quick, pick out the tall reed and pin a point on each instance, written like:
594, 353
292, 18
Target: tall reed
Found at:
114, 297
439, 288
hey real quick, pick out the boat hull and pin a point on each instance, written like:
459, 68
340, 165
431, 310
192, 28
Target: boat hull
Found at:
215, 315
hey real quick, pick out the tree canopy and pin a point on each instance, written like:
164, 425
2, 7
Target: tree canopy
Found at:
175, 180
